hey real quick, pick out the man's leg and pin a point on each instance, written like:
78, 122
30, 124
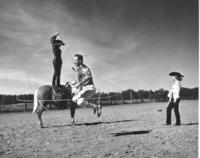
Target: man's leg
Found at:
169, 109
95, 107
58, 70
72, 111
54, 79
54, 74
85, 95
76, 97
88, 95
176, 111
58, 80
98, 109
82, 100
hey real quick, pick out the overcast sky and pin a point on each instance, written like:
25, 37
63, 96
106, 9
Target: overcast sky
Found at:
126, 43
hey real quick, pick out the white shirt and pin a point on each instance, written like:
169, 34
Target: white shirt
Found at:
175, 90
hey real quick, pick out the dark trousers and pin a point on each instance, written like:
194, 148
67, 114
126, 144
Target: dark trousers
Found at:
57, 64
170, 106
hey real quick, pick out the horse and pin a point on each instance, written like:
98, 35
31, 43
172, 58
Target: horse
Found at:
44, 96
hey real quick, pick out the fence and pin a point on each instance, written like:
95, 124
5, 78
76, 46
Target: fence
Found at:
28, 106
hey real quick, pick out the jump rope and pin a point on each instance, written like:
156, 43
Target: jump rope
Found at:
70, 52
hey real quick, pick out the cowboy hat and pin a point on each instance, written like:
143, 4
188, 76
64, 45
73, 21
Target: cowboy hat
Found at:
177, 74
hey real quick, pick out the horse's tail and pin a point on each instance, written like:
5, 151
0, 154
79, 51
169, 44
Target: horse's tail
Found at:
35, 100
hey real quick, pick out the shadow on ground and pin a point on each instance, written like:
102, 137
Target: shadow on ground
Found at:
89, 123
183, 124
123, 133
119, 121
189, 124
98, 123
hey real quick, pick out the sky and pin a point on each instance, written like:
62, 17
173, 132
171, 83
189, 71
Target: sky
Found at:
129, 44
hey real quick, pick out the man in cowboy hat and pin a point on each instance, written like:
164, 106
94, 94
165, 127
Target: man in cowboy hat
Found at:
57, 61
174, 98
85, 86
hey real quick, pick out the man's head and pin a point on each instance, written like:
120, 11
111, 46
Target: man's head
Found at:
78, 59
176, 76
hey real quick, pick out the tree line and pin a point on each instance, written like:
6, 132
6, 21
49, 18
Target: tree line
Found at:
157, 95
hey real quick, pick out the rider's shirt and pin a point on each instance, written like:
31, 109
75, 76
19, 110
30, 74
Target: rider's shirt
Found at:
175, 91
85, 75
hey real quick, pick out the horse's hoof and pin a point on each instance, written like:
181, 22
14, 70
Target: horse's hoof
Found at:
99, 114
72, 124
94, 111
99, 111
41, 125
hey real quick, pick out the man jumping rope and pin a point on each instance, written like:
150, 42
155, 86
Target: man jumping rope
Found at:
57, 61
86, 86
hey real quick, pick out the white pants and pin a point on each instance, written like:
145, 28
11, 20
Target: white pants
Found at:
84, 94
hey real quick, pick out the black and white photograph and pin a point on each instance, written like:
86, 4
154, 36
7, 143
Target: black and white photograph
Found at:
99, 78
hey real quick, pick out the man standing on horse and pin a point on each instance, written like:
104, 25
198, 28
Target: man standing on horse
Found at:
85, 86
57, 61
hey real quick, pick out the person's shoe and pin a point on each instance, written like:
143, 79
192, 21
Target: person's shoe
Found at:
99, 110
72, 122
168, 124
177, 124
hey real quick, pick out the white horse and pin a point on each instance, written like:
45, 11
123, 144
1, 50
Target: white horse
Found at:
44, 96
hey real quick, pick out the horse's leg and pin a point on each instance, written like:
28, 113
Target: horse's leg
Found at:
40, 111
40, 119
72, 112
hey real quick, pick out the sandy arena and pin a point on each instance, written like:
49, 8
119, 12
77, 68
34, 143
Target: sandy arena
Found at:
123, 131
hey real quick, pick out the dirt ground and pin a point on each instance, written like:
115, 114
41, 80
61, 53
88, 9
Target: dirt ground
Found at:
123, 131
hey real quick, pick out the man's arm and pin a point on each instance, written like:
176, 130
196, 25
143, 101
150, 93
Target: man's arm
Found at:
53, 38
87, 77
169, 94
85, 80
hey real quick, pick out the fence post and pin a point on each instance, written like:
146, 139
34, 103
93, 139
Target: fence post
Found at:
141, 98
131, 97
149, 96
25, 106
122, 99
109, 98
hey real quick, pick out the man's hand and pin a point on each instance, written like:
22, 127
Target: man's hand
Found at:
77, 85
57, 34
76, 88
75, 69
53, 38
